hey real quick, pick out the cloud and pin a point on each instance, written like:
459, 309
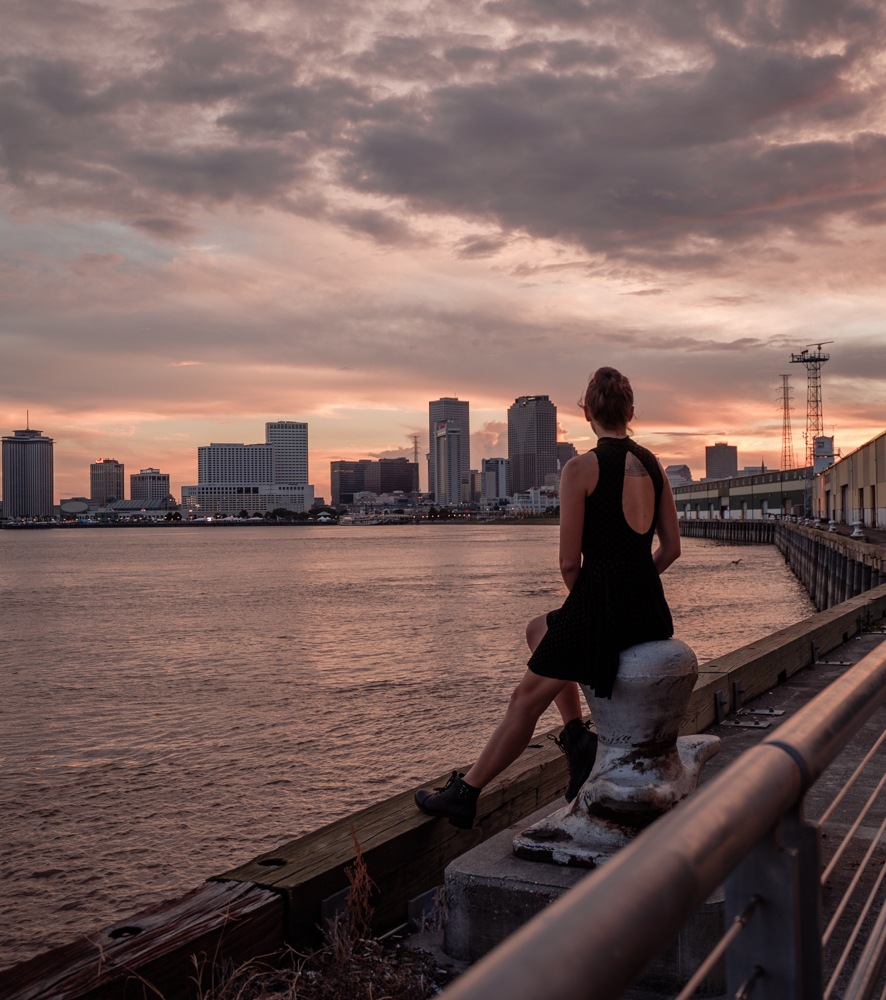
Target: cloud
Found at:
349, 209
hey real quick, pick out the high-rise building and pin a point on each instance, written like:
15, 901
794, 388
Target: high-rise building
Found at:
721, 460
457, 412
106, 478
347, 478
386, 475
233, 464
565, 451
27, 474
532, 443
148, 484
395, 475
289, 439
494, 473
236, 477
447, 452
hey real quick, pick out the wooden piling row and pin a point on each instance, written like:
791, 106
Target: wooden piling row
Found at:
832, 567
733, 532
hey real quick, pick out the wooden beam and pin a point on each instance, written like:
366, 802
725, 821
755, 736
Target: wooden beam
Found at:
158, 952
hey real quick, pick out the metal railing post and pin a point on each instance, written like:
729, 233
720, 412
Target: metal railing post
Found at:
780, 948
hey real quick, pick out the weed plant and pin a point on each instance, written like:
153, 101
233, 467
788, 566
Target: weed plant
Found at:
352, 965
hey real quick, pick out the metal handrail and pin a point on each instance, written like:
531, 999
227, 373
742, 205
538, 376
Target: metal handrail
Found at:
599, 937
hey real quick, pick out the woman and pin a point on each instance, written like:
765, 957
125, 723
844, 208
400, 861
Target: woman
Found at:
613, 500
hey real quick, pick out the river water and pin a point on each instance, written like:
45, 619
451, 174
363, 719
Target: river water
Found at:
175, 701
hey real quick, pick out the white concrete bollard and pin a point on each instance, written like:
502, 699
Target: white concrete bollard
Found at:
642, 767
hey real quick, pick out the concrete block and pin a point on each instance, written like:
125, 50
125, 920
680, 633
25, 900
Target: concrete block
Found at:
490, 893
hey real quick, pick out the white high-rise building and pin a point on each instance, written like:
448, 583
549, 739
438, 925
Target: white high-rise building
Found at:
27, 474
456, 411
447, 453
289, 439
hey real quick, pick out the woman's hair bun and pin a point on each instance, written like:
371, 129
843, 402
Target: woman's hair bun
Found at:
609, 398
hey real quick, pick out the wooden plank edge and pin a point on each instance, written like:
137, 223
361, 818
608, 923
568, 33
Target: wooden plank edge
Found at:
161, 951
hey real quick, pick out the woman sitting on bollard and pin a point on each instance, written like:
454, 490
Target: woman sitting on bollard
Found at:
613, 500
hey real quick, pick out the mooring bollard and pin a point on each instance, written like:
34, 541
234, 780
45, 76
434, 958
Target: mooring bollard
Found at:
642, 767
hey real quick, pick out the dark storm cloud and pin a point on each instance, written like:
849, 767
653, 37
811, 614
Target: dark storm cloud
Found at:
646, 164
657, 133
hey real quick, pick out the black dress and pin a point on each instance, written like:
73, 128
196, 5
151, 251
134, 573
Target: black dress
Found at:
617, 600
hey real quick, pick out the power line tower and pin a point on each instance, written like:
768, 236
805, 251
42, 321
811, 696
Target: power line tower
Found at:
788, 458
414, 438
812, 362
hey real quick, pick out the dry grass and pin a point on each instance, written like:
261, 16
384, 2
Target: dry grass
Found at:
352, 966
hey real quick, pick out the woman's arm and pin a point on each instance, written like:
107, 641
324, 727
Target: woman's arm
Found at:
573, 492
667, 528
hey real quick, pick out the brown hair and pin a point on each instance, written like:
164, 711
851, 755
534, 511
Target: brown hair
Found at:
609, 398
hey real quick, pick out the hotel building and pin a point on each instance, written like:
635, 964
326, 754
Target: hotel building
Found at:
236, 477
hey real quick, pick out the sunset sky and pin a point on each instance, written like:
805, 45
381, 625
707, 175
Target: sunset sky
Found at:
224, 212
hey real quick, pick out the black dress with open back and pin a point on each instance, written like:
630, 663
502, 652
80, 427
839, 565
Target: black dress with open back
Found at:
617, 600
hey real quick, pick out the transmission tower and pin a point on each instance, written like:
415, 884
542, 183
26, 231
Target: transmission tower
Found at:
812, 362
414, 438
788, 458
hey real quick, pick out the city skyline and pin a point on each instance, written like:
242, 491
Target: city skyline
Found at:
222, 214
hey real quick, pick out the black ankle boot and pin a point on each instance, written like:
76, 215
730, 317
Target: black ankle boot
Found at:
580, 746
456, 800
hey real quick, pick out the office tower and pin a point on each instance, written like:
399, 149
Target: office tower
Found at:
106, 481
532, 442
27, 474
289, 439
565, 451
447, 452
346, 479
494, 474
148, 484
396, 475
452, 409
721, 461
386, 475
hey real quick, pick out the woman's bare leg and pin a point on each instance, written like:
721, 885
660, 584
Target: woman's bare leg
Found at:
568, 701
530, 698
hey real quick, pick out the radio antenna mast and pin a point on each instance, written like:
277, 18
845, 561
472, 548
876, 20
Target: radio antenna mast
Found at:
812, 362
